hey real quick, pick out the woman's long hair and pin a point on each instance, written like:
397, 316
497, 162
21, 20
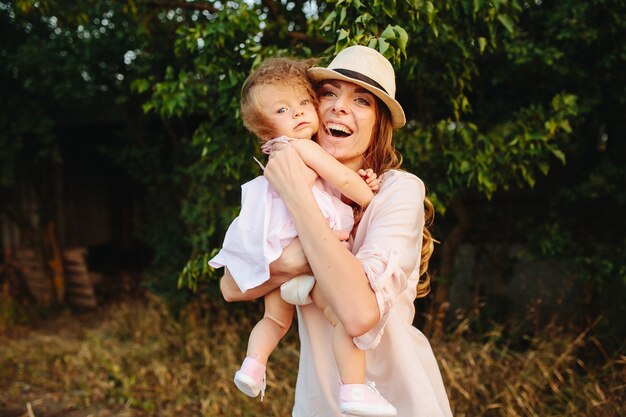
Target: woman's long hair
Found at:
381, 156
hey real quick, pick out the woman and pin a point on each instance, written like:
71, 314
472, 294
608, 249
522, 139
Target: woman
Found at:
373, 300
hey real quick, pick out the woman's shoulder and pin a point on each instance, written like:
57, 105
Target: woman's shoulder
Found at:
395, 178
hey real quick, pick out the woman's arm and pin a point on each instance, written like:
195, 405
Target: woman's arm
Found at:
231, 292
339, 274
347, 181
292, 262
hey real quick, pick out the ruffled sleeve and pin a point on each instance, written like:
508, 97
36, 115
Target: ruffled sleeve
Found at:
386, 285
388, 245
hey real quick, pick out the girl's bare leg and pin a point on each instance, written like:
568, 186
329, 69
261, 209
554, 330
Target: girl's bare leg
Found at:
271, 328
350, 359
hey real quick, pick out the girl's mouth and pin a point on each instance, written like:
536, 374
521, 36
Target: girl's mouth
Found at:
337, 130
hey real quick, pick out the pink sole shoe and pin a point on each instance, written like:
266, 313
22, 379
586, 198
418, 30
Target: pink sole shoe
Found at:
364, 400
250, 379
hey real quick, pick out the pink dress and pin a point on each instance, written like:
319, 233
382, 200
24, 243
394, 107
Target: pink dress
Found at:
263, 228
400, 360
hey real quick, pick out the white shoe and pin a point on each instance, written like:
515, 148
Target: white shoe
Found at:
250, 379
296, 291
364, 400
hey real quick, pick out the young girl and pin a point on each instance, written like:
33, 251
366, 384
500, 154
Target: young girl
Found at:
278, 105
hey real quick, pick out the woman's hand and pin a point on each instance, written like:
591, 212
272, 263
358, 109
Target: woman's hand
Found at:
293, 262
288, 174
231, 291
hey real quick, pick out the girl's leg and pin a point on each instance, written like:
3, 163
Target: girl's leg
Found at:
250, 378
271, 328
356, 396
350, 359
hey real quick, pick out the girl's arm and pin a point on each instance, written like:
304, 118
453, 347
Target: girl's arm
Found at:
347, 181
339, 274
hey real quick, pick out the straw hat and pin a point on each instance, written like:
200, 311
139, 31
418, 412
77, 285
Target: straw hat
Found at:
367, 68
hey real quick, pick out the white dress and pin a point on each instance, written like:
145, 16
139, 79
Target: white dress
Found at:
263, 228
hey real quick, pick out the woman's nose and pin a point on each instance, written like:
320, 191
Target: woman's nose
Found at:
339, 106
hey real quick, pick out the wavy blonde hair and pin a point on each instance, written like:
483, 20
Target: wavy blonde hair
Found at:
288, 72
381, 156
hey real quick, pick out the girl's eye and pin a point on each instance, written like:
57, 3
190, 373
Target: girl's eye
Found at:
304, 102
281, 110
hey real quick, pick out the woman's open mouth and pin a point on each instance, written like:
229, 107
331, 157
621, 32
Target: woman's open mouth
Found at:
337, 130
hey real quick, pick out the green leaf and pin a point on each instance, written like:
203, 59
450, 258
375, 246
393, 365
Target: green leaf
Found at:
559, 155
482, 43
383, 46
342, 15
506, 22
388, 33
329, 19
343, 34
389, 7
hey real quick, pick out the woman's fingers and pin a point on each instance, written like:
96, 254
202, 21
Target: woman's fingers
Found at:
286, 171
292, 261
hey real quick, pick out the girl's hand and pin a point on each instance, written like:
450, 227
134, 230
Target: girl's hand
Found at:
277, 146
370, 178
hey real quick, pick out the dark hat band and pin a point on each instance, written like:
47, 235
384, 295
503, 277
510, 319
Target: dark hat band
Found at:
360, 77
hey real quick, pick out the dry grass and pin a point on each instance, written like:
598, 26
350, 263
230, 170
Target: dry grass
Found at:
134, 359
546, 379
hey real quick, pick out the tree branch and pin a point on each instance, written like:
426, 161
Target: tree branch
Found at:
181, 5
274, 12
304, 38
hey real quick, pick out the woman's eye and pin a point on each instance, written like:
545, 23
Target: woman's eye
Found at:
362, 101
327, 93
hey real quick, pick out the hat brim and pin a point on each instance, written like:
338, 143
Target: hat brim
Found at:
398, 119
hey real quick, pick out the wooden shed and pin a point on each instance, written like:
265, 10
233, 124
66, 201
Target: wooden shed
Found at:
67, 227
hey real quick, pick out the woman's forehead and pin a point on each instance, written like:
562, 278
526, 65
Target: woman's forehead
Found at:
340, 84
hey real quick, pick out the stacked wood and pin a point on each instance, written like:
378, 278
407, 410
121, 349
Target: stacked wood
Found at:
79, 290
56, 264
31, 267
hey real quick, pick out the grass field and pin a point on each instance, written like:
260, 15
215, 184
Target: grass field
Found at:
133, 359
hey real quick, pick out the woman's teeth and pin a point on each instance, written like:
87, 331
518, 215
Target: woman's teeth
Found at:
337, 130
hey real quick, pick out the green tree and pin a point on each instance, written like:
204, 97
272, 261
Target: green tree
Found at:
498, 96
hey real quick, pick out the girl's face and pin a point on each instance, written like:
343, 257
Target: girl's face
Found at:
348, 113
289, 109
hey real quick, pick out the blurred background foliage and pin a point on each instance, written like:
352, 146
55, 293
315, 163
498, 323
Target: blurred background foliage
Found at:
515, 112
